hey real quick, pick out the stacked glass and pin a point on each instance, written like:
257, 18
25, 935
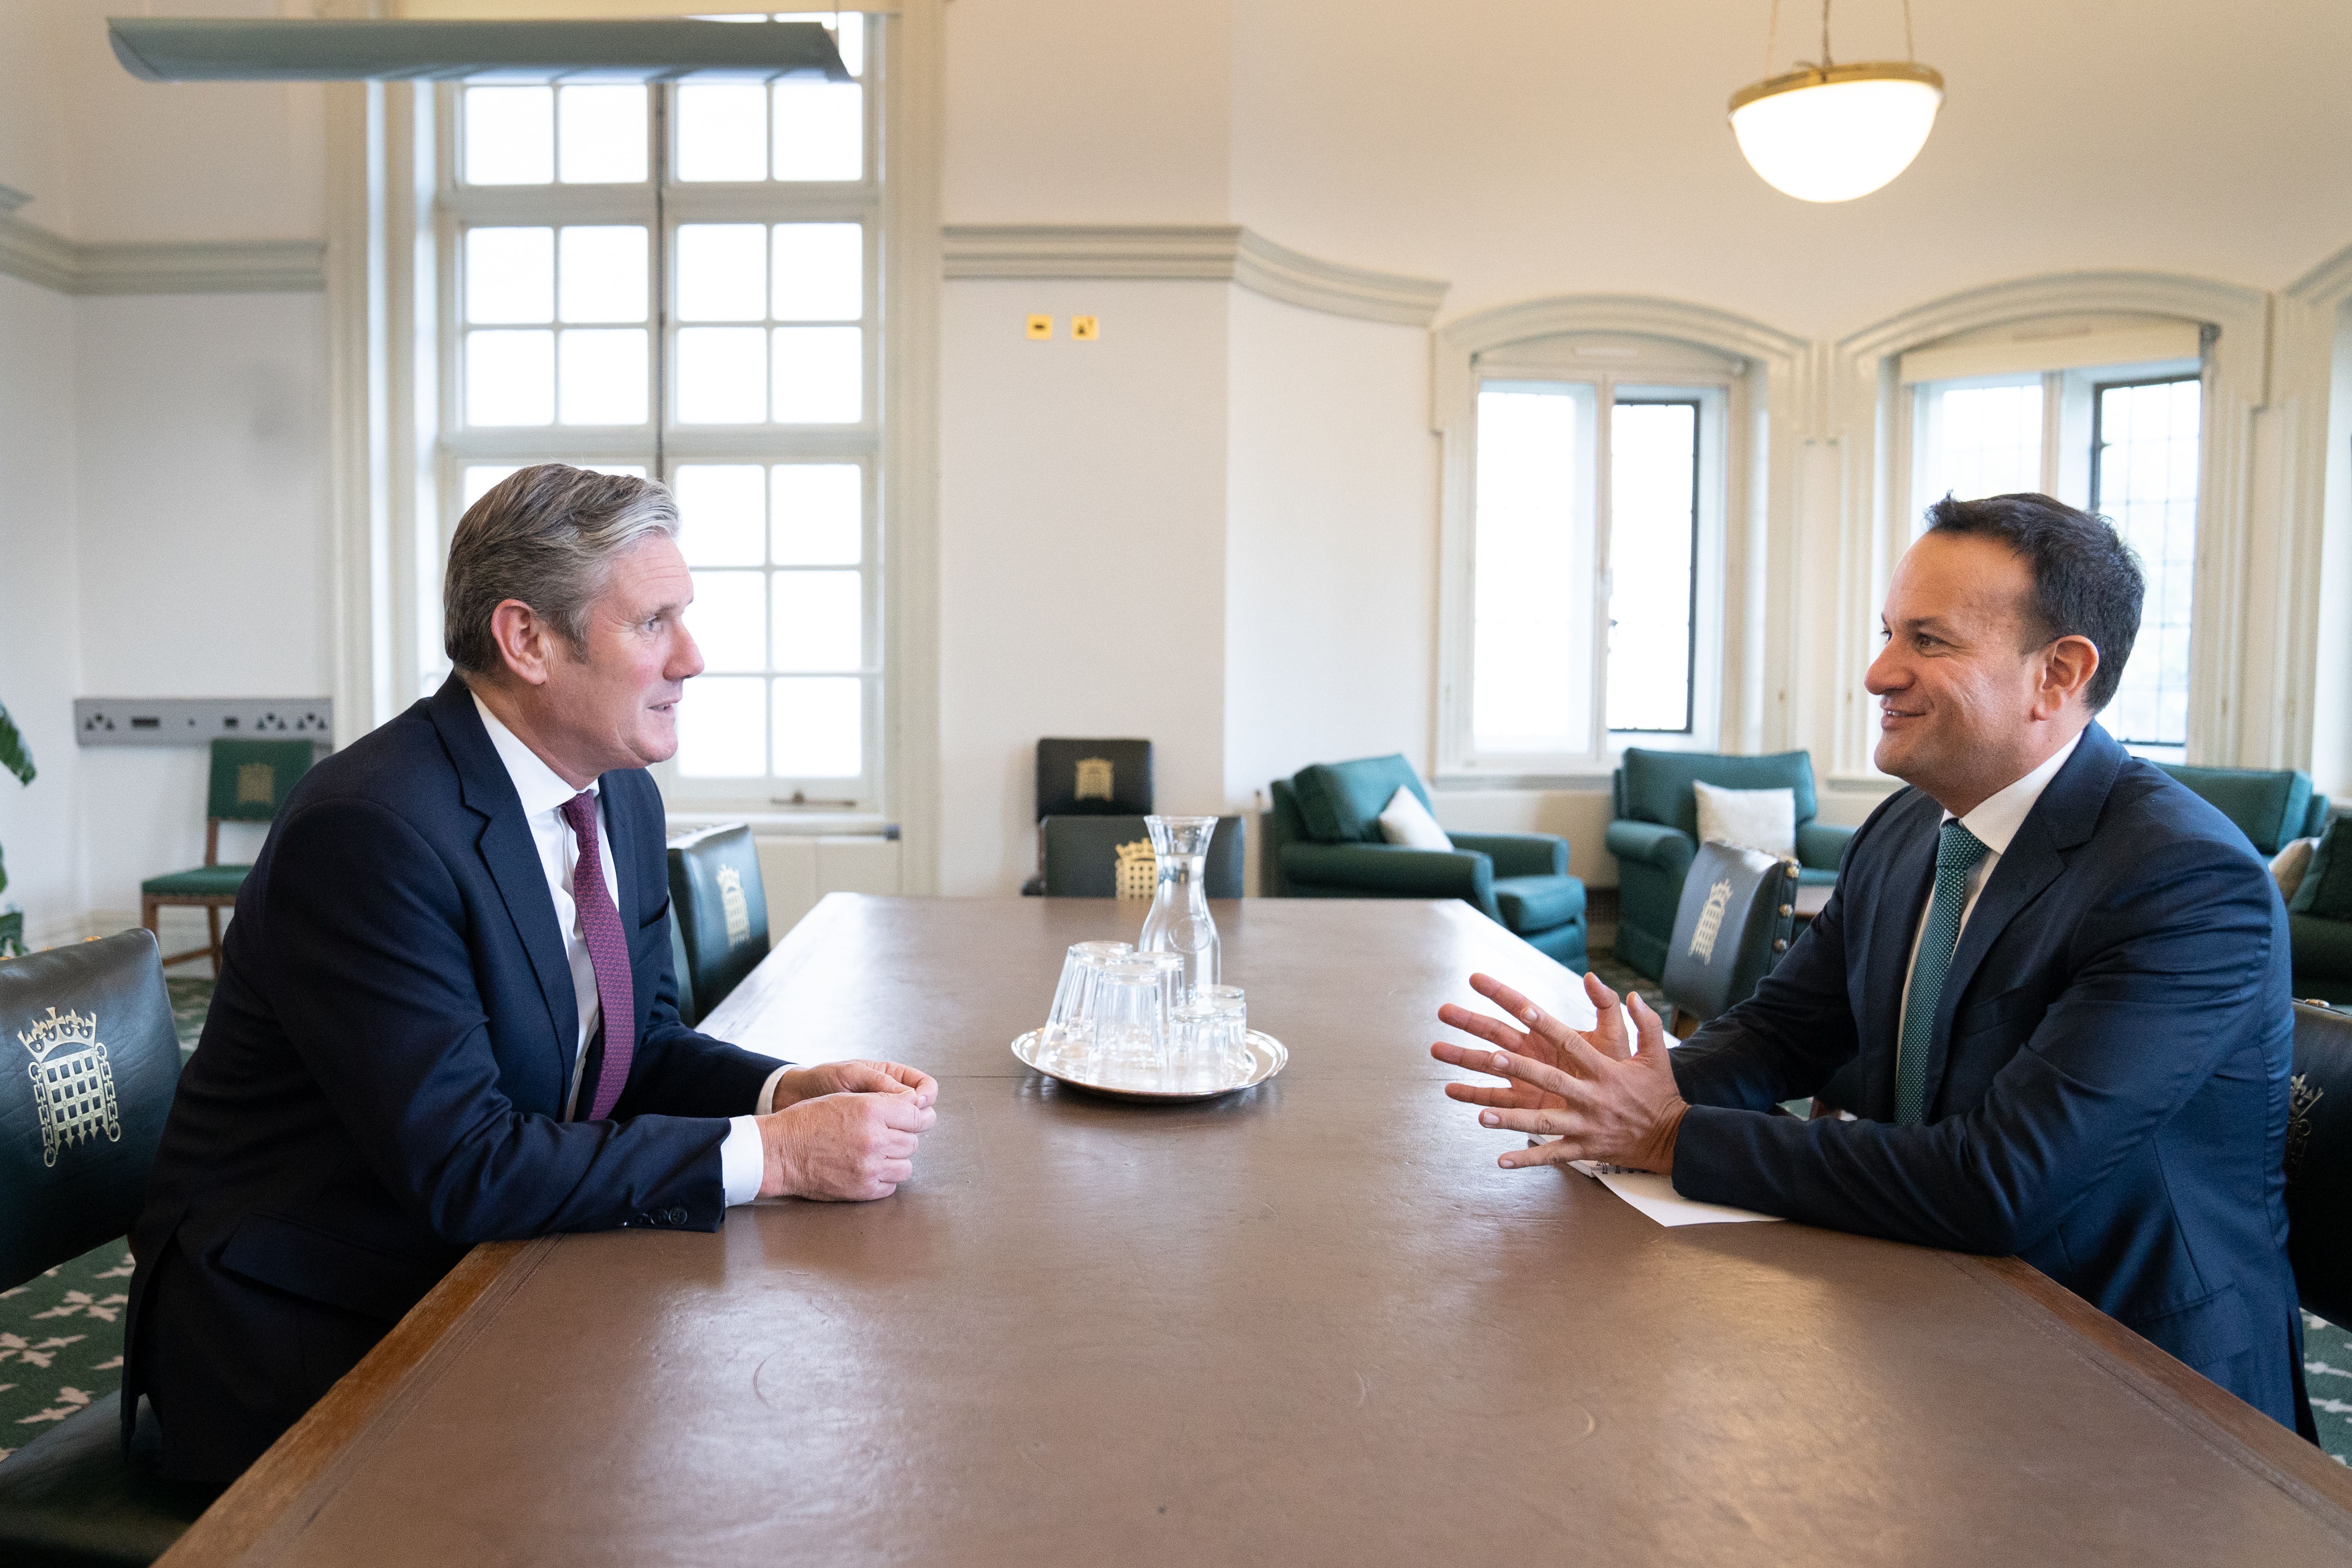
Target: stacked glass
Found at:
1125, 1019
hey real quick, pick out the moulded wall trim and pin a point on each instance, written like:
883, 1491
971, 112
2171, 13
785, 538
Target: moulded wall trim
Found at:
157, 266
1210, 252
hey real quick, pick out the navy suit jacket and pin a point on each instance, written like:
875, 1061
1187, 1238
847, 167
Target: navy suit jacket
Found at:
2107, 1083
381, 1077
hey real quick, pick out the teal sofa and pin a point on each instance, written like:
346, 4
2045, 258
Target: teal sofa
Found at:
1654, 834
1323, 841
2273, 806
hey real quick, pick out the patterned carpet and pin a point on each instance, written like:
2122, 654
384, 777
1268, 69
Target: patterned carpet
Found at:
61, 1334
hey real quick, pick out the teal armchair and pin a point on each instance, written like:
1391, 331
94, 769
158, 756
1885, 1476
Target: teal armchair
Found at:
2272, 807
1654, 835
1323, 841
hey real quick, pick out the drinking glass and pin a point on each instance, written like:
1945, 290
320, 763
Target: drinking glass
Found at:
1130, 1024
1069, 1028
1231, 1029
1196, 1048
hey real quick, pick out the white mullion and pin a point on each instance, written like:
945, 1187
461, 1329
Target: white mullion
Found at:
1604, 523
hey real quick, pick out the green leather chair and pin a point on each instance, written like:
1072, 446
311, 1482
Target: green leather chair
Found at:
1736, 917
719, 911
1655, 833
250, 779
78, 1135
1324, 838
2319, 1163
2272, 807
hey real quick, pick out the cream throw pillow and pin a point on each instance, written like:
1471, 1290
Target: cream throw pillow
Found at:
1752, 819
1405, 821
2292, 865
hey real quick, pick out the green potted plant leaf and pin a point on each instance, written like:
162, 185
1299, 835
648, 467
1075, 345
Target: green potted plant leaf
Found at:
16, 760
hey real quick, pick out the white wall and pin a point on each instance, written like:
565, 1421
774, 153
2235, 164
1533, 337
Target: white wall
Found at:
1071, 111
182, 160
1330, 543
1082, 518
40, 643
200, 444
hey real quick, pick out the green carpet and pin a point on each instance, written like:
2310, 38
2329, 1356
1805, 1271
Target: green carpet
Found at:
61, 1334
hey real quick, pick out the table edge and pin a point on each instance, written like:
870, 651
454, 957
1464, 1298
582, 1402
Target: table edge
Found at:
2275, 1453
295, 1466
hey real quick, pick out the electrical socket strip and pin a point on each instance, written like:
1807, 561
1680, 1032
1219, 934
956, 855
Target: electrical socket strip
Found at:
199, 721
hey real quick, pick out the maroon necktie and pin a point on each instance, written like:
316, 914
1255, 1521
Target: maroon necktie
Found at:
608, 951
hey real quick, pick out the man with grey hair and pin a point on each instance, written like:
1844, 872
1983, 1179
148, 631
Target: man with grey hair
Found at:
446, 1012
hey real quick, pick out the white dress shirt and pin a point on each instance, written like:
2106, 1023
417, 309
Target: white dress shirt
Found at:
543, 792
1994, 822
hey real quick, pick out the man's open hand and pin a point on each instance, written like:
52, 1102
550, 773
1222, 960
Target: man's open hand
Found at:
1599, 1095
843, 1146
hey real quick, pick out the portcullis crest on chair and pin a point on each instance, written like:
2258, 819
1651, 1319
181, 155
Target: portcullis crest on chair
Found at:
73, 1085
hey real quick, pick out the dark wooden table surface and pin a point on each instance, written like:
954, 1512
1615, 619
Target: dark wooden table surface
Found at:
1311, 1325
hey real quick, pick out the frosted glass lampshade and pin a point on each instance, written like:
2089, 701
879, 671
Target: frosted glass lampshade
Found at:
1835, 135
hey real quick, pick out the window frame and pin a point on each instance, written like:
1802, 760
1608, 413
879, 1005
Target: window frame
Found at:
2070, 422
1638, 367
661, 445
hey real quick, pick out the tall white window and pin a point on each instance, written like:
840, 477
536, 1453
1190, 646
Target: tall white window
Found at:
685, 282
1593, 587
2122, 440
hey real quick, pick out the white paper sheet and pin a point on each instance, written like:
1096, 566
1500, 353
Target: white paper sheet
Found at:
1654, 1196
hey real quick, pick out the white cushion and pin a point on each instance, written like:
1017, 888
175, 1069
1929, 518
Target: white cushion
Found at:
2291, 864
1751, 819
1405, 821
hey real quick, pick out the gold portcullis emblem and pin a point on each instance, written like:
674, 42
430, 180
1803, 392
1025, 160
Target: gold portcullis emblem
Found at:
73, 1084
1094, 778
1139, 870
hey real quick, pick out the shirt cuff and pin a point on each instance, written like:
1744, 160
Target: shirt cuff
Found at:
765, 1105
742, 1159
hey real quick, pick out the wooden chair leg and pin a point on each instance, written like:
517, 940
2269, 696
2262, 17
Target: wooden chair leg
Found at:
212, 922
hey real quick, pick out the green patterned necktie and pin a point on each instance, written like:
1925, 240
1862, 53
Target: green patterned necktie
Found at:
1957, 853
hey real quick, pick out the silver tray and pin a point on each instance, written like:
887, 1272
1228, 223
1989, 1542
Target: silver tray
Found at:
1267, 1057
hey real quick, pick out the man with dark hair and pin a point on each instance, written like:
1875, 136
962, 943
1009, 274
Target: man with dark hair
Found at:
446, 1013
2057, 980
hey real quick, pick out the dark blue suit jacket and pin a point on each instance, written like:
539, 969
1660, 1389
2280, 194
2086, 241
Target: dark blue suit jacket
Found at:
380, 1082
2107, 1083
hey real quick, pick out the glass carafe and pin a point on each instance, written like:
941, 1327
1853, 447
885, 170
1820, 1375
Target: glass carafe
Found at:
1179, 921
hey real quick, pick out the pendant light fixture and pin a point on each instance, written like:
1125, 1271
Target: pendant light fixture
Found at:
1828, 132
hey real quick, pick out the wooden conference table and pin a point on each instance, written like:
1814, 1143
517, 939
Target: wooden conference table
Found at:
1312, 1324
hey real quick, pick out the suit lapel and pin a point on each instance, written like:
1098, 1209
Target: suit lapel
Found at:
513, 858
2062, 819
1894, 919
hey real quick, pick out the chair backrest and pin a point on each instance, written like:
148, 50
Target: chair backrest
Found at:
720, 907
88, 1029
250, 778
1082, 857
2270, 804
681, 972
1094, 777
1656, 786
1738, 909
2319, 1162
1340, 802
